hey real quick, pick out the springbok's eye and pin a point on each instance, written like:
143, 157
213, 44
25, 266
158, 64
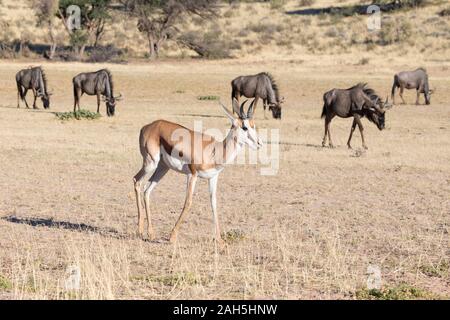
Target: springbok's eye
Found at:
244, 128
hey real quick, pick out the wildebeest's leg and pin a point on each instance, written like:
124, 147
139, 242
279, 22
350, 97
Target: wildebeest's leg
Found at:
98, 102
18, 96
330, 143
35, 97
401, 94
351, 134
361, 130
255, 103
394, 87
327, 132
25, 98
418, 96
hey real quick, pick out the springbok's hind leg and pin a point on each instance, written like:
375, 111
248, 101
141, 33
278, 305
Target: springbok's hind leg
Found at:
351, 134
138, 186
159, 173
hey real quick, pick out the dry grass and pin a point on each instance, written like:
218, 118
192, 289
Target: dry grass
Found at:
308, 232
284, 36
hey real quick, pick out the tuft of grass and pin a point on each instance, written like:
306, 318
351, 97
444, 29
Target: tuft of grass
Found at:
208, 98
400, 292
82, 114
187, 278
441, 270
5, 284
233, 235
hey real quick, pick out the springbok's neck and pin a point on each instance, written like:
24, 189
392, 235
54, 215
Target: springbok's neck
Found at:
230, 148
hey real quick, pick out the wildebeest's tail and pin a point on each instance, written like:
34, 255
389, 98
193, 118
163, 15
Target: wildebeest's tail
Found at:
20, 90
394, 86
327, 100
324, 110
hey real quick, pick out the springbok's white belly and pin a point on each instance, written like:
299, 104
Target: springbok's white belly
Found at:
208, 174
175, 163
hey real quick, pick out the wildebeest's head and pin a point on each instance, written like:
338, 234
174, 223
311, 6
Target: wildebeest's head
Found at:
111, 105
46, 101
428, 96
276, 109
376, 116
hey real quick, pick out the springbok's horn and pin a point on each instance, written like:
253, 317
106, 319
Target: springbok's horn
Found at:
241, 110
251, 110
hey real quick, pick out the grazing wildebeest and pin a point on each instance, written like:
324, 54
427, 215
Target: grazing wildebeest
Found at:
34, 79
358, 101
258, 86
417, 79
99, 83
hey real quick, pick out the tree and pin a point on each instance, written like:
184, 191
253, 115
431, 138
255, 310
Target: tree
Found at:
93, 17
45, 12
158, 19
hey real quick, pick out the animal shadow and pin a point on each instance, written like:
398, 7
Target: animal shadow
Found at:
51, 223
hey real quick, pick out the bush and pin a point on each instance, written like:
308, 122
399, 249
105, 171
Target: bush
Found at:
445, 12
209, 45
82, 114
304, 3
105, 54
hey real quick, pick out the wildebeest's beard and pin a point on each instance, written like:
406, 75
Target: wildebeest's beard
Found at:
110, 107
427, 98
377, 118
45, 101
276, 111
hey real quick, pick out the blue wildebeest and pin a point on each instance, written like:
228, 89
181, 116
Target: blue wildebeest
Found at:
33, 79
99, 83
358, 101
259, 86
417, 79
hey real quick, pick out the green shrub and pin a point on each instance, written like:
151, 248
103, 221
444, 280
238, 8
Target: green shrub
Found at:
208, 98
82, 114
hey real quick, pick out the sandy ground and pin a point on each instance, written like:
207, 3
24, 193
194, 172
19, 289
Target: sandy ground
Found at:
310, 231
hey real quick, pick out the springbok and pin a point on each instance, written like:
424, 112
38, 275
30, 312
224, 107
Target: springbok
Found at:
162, 149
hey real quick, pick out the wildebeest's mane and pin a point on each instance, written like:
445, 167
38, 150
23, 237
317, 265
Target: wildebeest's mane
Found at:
44, 79
111, 82
274, 85
421, 68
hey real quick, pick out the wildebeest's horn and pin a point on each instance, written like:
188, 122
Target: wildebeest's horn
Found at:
250, 110
241, 110
119, 97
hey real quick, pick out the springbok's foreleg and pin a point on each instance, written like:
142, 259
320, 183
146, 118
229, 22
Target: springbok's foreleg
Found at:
213, 199
361, 130
351, 134
191, 180
159, 173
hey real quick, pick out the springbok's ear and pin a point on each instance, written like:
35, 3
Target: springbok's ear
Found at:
229, 114
235, 106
